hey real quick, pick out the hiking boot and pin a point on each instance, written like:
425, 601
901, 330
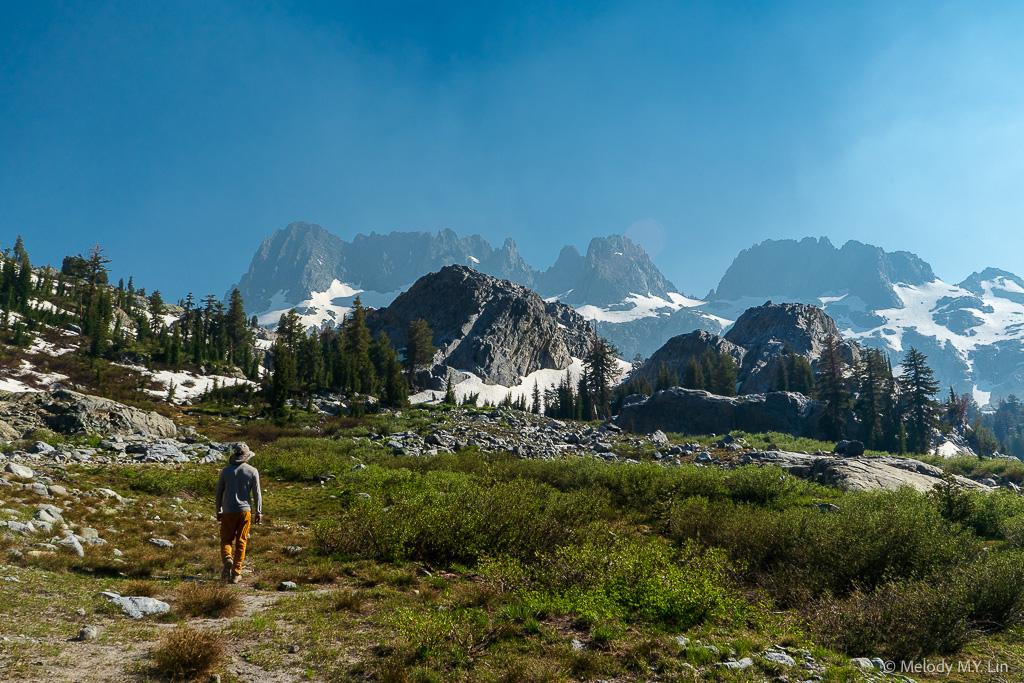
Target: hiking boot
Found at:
236, 577
228, 566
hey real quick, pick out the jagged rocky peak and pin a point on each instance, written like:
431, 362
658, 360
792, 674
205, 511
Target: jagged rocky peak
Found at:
678, 351
299, 259
496, 329
769, 330
508, 264
1000, 283
613, 268
808, 269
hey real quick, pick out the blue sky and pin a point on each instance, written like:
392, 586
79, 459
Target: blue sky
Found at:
179, 134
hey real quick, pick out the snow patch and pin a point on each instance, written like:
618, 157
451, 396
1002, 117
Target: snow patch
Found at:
496, 393
188, 385
328, 307
639, 306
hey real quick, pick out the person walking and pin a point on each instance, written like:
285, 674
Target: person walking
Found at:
238, 498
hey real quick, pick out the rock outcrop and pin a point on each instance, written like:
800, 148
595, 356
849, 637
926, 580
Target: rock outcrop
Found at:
678, 351
496, 329
68, 412
867, 473
688, 411
765, 332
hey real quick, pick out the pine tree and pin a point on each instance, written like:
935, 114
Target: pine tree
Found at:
919, 390
357, 348
832, 389
894, 436
535, 407
693, 375
872, 385
723, 381
419, 350
156, 310
236, 327
664, 380
284, 378
781, 374
598, 377
385, 360
449, 392
801, 375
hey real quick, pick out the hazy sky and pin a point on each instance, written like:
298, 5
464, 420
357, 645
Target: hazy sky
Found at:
179, 134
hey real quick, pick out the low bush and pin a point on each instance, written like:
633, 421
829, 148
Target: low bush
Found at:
769, 487
188, 653
191, 479
898, 621
800, 552
211, 600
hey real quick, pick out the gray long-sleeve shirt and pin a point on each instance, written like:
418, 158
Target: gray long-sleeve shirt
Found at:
238, 489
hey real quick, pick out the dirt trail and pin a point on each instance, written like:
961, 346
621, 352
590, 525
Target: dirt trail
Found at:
93, 662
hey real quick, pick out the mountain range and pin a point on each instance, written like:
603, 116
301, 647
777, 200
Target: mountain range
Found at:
972, 332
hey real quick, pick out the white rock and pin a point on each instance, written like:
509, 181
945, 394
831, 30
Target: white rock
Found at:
20, 470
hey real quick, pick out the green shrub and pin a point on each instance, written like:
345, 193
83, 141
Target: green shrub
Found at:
768, 486
799, 552
191, 479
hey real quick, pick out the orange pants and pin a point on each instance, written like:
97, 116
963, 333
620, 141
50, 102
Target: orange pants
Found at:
234, 533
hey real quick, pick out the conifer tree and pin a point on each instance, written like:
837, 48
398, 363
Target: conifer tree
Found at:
236, 327
693, 375
919, 391
284, 378
419, 350
723, 381
449, 392
156, 310
598, 377
872, 385
664, 380
781, 374
535, 406
357, 348
832, 389
801, 375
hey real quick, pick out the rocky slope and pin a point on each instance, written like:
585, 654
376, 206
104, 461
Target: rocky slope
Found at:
496, 329
755, 342
765, 332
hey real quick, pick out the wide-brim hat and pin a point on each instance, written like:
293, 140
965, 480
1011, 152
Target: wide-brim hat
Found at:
240, 453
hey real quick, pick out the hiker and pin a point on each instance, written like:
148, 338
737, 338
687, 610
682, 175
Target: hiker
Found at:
238, 498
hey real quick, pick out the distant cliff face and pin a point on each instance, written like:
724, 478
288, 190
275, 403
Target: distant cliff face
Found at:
812, 268
613, 268
496, 329
300, 259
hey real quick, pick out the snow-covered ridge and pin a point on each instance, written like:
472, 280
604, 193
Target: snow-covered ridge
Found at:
637, 306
